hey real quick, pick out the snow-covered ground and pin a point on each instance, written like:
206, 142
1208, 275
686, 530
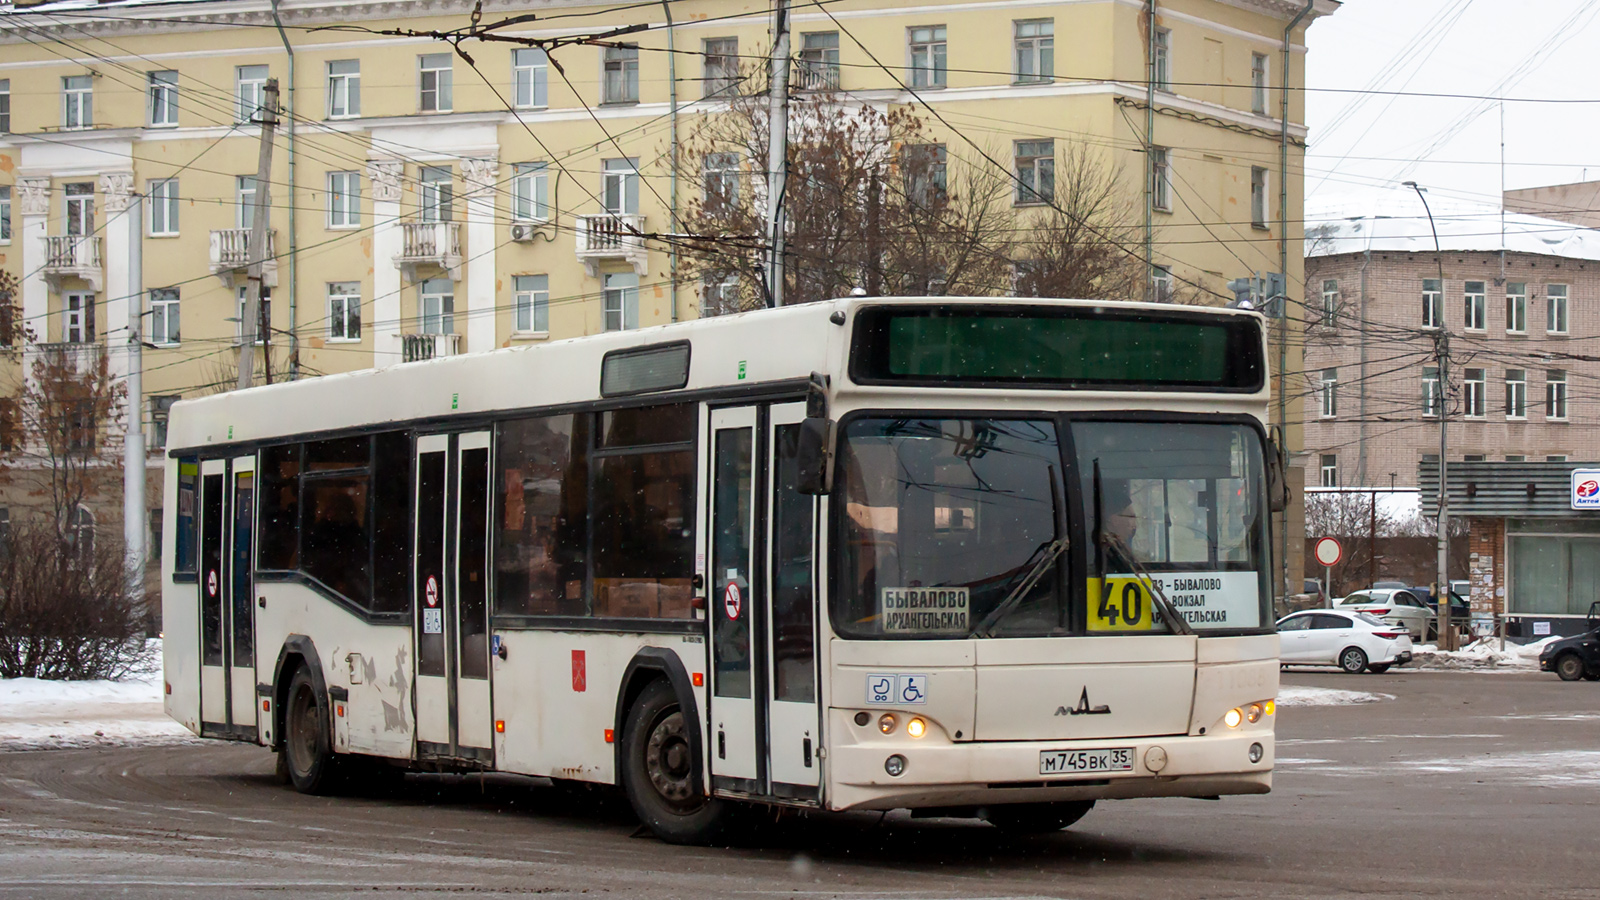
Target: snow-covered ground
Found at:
36, 714
1485, 653
1310, 696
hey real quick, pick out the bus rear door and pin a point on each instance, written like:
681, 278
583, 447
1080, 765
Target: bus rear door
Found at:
227, 598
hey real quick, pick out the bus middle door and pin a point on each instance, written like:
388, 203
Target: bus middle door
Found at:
227, 598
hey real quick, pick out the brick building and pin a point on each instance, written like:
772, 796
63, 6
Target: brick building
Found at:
1522, 310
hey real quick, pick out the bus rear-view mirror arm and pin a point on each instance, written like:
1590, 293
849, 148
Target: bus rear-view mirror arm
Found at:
1277, 473
815, 452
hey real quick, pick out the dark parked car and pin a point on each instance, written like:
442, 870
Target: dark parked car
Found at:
1577, 656
1460, 609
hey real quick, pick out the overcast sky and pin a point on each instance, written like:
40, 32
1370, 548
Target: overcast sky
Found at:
1362, 146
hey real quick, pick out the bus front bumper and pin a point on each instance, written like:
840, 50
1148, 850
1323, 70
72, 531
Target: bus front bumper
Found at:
937, 773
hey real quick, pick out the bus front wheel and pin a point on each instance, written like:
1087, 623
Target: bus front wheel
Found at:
307, 753
1036, 818
658, 771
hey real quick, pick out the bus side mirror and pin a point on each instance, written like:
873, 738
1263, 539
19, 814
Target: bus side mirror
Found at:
1277, 475
815, 456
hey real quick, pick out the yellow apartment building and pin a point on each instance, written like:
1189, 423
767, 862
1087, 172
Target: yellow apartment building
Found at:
423, 204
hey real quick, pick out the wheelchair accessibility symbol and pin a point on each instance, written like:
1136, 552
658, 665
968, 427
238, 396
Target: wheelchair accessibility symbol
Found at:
897, 690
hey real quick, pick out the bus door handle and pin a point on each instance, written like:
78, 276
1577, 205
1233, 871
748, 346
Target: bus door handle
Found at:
261, 602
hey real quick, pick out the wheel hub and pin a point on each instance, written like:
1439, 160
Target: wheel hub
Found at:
667, 760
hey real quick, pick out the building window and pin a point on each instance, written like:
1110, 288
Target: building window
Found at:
1161, 284
1328, 393
620, 302
927, 51
344, 199
80, 534
163, 98
1556, 320
1476, 306
1557, 457
925, 168
164, 319
1516, 393
1432, 303
1330, 300
818, 66
1160, 179
5, 214
1036, 172
1330, 470
1516, 457
437, 78
621, 74
344, 311
5, 106
1472, 399
436, 194
721, 174
721, 75
533, 303
77, 101
1474, 457
344, 88
530, 192
720, 296
1035, 50
78, 322
1163, 59
80, 208
619, 186
530, 78
160, 413
1516, 307
438, 306
1258, 197
1258, 83
250, 92
263, 314
163, 207
1555, 395
245, 194
1430, 390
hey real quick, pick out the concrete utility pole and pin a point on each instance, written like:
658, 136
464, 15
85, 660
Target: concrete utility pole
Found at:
259, 223
1441, 589
777, 149
133, 458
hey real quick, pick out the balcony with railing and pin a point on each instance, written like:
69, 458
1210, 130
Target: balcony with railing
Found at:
611, 236
73, 256
814, 75
230, 254
71, 356
419, 347
430, 244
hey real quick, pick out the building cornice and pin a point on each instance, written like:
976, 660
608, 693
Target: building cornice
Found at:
1285, 9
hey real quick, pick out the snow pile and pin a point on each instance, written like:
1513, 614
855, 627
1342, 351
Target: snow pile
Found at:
36, 714
1484, 653
1309, 696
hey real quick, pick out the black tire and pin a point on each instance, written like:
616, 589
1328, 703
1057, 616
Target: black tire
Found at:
1036, 818
307, 737
1378, 668
658, 772
1353, 660
1569, 667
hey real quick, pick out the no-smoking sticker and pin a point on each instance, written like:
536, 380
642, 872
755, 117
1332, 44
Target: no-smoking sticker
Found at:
211, 582
731, 600
431, 591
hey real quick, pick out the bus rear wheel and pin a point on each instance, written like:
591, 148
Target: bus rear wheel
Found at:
307, 753
658, 772
1036, 818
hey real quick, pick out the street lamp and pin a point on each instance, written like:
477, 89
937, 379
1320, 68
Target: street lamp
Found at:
1442, 352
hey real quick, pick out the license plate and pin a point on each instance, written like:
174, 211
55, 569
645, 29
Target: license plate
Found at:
1077, 762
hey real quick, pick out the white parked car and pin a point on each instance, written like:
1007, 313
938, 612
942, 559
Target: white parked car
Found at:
1353, 641
1398, 607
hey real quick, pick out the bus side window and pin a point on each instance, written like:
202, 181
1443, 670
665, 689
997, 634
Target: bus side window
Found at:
183, 556
541, 515
643, 516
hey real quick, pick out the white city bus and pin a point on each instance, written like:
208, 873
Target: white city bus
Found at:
984, 558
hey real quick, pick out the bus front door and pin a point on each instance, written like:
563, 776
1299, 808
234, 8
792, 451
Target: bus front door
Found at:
454, 715
763, 710
227, 598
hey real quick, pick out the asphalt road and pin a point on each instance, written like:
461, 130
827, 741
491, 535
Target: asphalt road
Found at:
1463, 785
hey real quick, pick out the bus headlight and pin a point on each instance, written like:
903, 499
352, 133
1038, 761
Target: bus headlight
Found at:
1233, 717
1255, 713
895, 765
886, 723
1256, 752
916, 727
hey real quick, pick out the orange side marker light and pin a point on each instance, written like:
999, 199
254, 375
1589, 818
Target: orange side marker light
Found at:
699, 679
499, 726
611, 736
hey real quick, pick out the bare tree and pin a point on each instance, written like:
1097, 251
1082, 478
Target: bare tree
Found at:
1079, 245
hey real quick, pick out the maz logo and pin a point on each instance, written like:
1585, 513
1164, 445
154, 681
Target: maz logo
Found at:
1083, 708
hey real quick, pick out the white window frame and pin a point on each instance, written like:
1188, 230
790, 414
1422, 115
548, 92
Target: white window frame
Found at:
1163, 59
1161, 284
1555, 395
1432, 303
435, 82
1329, 463
927, 56
619, 74
619, 186
1034, 167
1476, 303
1430, 392
1033, 51
720, 297
817, 63
242, 296
249, 91
1330, 300
244, 192
1516, 307
530, 192
720, 68
436, 303
77, 101
1556, 457
163, 89
5, 105
1474, 387
619, 302
1556, 321
5, 214
78, 207
720, 176
1260, 209
1260, 72
1328, 394
531, 305
344, 89
344, 200
343, 298
163, 194
1516, 394
436, 194
1161, 179
77, 317
530, 78
166, 319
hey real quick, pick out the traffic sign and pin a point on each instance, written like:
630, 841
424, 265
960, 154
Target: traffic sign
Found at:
1328, 552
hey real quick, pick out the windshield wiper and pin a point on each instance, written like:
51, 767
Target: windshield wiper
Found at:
1105, 539
1051, 550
